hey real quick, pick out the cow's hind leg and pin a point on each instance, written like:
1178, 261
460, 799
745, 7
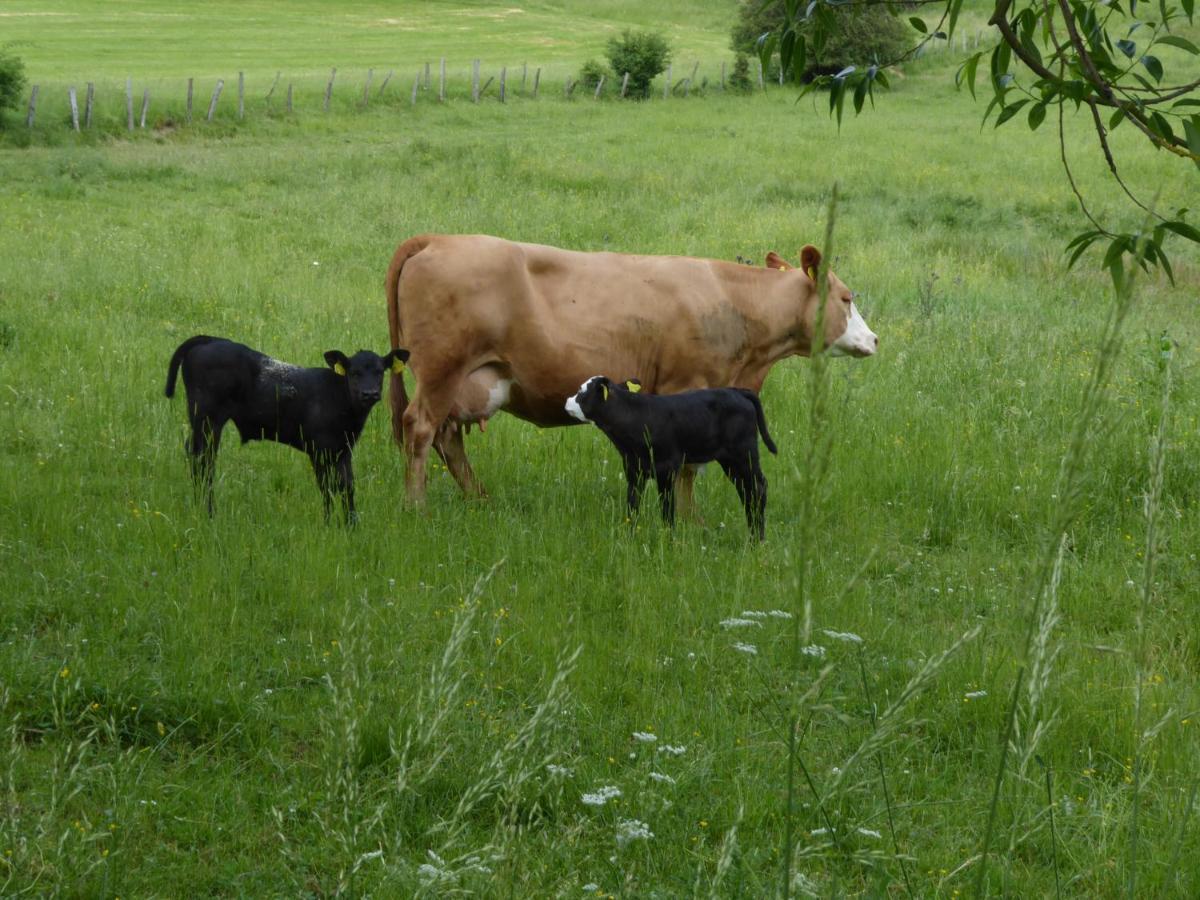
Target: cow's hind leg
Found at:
424, 415
685, 481
202, 454
448, 442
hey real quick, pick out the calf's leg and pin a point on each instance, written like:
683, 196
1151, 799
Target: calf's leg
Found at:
202, 454
335, 476
635, 479
664, 476
751, 485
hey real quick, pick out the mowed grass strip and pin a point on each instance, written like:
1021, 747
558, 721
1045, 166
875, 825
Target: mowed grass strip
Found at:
227, 703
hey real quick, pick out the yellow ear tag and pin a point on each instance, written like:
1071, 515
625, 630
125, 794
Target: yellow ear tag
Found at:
784, 267
339, 368
604, 390
397, 366
812, 272
633, 386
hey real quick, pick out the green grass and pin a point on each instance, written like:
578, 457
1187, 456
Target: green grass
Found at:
222, 703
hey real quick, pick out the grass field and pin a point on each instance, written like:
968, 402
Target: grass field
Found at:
259, 704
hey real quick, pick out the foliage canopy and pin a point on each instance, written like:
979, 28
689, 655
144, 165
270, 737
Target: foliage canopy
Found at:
643, 54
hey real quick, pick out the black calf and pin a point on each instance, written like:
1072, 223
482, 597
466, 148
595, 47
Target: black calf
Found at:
657, 435
319, 411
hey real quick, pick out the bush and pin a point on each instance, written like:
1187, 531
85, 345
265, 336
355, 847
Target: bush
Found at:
862, 34
12, 81
739, 79
643, 54
592, 72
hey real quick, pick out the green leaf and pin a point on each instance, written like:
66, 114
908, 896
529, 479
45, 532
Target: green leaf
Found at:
1173, 40
918, 24
1081, 242
786, 45
860, 94
1116, 119
968, 72
1153, 66
955, 8
1037, 114
1009, 111
1191, 129
1189, 7
800, 59
1183, 229
766, 48
1127, 47
1162, 127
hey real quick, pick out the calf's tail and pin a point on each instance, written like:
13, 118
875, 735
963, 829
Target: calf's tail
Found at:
762, 420
397, 395
177, 358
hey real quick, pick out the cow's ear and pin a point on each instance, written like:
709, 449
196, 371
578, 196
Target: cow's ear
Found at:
633, 385
775, 261
396, 360
810, 261
337, 361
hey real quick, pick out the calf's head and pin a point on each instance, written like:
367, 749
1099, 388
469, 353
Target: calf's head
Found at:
586, 403
363, 373
846, 332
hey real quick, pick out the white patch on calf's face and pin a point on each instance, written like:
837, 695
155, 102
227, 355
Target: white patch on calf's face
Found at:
572, 404
858, 339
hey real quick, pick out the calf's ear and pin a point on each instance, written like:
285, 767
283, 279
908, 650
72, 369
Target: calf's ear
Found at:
775, 261
810, 261
396, 360
337, 361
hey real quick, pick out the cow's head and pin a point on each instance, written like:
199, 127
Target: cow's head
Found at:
587, 402
363, 373
846, 332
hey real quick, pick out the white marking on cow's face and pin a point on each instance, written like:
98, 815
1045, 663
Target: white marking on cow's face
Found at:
498, 395
572, 404
858, 339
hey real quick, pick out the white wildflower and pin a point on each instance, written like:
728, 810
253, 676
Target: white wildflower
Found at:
869, 833
677, 750
559, 771
629, 830
975, 695
591, 887
428, 873
779, 614
814, 650
602, 796
817, 832
644, 737
661, 778
845, 636
740, 623
753, 614
748, 649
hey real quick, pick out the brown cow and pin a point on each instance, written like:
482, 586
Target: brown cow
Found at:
494, 324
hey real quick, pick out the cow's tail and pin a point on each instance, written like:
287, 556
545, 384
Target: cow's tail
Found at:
397, 395
177, 358
762, 420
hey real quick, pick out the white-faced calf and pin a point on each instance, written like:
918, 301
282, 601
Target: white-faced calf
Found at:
319, 411
657, 434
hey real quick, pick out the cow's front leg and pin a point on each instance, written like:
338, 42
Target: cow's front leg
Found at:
449, 445
422, 418
685, 480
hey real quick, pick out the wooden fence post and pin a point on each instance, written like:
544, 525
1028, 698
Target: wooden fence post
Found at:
129, 104
367, 87
624, 85
475, 81
667, 84
425, 86
524, 72
416, 85
189, 100
241, 95
145, 106
212, 104
599, 88
87, 109
722, 76
329, 89
442, 82
32, 107
74, 108
503, 73
289, 100
536, 78
386, 79
274, 84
